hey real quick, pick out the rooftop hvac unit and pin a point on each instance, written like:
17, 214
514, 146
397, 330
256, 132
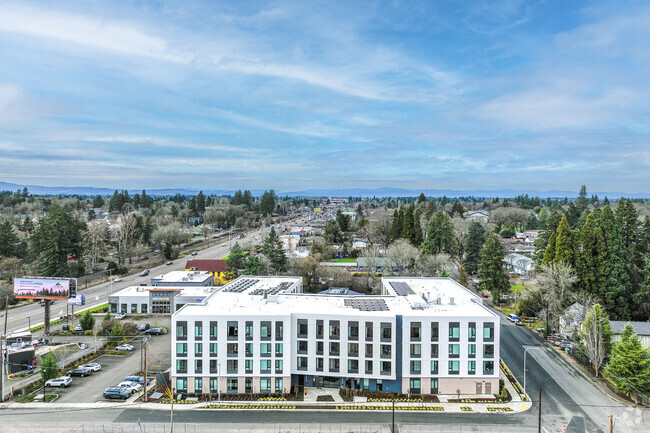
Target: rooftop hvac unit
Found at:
451, 301
438, 300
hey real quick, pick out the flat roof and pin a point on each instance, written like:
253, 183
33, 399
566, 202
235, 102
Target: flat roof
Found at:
184, 291
183, 277
424, 297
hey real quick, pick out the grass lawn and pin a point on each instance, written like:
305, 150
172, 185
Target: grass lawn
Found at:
344, 260
517, 288
26, 398
507, 310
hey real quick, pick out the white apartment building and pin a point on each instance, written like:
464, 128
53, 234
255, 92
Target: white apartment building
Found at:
263, 335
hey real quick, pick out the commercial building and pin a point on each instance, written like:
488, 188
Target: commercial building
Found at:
215, 267
262, 335
156, 299
184, 279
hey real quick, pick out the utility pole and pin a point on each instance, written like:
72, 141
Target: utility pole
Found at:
46, 317
145, 373
611, 424
2, 352
171, 430
539, 415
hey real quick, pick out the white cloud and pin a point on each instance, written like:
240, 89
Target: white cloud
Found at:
165, 142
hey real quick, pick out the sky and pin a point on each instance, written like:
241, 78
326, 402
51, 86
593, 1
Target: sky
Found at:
294, 95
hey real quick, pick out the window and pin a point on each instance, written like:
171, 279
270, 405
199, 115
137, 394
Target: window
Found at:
232, 386
369, 350
416, 350
134, 308
181, 330
488, 331
434, 367
278, 366
232, 366
434, 386
353, 366
181, 349
335, 329
414, 385
353, 330
384, 367
265, 385
471, 350
488, 367
265, 349
320, 329
123, 308
471, 367
214, 366
319, 364
278, 385
302, 346
454, 331
113, 308
233, 330
214, 328
488, 351
198, 385
265, 330
434, 351
181, 366
368, 331
213, 349
302, 363
319, 348
454, 367
368, 367
385, 350
248, 385
249, 330
248, 366
198, 349
454, 350
416, 367
181, 384
434, 331
214, 385
143, 308
334, 365
386, 332
334, 349
198, 366
416, 331
353, 349
471, 331
233, 349
279, 331
278, 349
198, 330
248, 349
302, 328
265, 366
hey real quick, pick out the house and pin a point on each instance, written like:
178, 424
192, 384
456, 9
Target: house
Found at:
572, 318
216, 267
379, 264
519, 263
477, 215
642, 330
359, 244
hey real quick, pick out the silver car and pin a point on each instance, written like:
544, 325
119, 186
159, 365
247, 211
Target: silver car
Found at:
59, 382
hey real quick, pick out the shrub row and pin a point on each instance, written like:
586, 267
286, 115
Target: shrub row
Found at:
499, 409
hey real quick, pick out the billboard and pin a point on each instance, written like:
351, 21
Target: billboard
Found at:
34, 288
79, 299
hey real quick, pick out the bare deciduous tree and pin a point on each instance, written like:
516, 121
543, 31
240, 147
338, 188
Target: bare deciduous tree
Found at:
403, 255
596, 336
95, 241
554, 281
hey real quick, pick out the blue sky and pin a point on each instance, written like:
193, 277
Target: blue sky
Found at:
294, 95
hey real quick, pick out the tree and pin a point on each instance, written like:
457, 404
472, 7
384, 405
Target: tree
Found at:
49, 367
553, 282
94, 241
98, 201
343, 221
629, 366
429, 210
417, 229
627, 220
235, 262
403, 255
549, 254
254, 266
564, 243
116, 202
463, 278
596, 336
457, 209
200, 203
396, 226
379, 230
617, 271
87, 321
333, 232
581, 202
441, 236
274, 252
8, 239
408, 223
267, 202
472, 247
492, 268
422, 198
125, 236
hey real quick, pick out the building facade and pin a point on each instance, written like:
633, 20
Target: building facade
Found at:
262, 335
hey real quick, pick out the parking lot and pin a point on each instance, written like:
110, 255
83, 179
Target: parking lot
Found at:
115, 368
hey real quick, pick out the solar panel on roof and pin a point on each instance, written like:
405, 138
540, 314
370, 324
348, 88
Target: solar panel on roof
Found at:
367, 304
401, 288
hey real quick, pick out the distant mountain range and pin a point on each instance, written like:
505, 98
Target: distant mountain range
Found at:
354, 192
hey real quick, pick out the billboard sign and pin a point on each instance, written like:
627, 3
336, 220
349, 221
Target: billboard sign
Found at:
34, 288
79, 299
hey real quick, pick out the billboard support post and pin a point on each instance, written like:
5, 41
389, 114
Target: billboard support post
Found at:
46, 317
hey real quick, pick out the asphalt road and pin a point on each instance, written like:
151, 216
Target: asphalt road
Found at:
32, 314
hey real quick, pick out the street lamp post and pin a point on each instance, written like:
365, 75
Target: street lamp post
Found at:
526, 351
110, 277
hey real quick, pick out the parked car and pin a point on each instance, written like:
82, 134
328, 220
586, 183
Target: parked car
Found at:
80, 372
144, 327
78, 328
485, 295
169, 263
117, 392
92, 366
512, 317
133, 386
125, 347
117, 280
567, 345
156, 331
519, 323
137, 379
120, 316
194, 253
144, 273
59, 382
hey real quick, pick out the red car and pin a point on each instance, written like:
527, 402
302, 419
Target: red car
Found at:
485, 295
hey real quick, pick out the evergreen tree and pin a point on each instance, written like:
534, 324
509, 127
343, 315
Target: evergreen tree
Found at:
627, 219
247, 199
191, 206
200, 203
629, 365
254, 266
457, 209
581, 202
564, 243
267, 202
407, 224
27, 226
463, 278
49, 367
441, 236
8, 239
87, 321
417, 229
343, 221
422, 198
238, 198
617, 275
136, 201
274, 252
549, 254
550, 227
145, 200
98, 201
116, 202
492, 268
589, 267
235, 262
333, 232
474, 241
396, 225
429, 210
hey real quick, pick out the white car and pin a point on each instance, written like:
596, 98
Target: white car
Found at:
120, 316
133, 386
125, 347
93, 366
59, 382
117, 280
